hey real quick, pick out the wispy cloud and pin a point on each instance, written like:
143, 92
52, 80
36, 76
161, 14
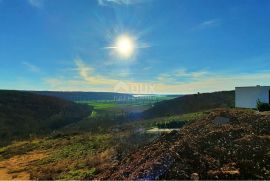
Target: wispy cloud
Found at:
87, 79
120, 2
190, 74
178, 82
36, 3
30, 67
88, 74
181, 75
215, 82
207, 24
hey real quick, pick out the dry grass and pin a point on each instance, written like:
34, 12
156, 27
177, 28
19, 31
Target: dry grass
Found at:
17, 167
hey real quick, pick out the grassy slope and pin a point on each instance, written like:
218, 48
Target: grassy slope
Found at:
77, 156
93, 149
203, 148
192, 103
23, 114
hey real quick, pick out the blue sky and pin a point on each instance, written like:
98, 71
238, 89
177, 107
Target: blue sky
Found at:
182, 46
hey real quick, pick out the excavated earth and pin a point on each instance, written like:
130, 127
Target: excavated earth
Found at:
238, 148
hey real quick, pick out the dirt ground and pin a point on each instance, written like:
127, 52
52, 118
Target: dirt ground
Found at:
15, 168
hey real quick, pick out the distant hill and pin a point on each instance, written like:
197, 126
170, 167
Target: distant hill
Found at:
23, 114
84, 96
191, 103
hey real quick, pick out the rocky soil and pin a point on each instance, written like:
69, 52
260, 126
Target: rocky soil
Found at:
238, 148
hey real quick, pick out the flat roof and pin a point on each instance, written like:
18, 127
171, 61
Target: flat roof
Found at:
258, 86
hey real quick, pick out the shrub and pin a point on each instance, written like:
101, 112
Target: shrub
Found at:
80, 174
261, 106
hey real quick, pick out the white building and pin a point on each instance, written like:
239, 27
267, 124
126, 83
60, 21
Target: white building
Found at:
247, 97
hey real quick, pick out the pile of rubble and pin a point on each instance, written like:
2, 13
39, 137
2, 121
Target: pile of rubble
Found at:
226, 144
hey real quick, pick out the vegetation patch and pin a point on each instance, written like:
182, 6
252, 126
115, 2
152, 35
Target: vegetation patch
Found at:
261, 106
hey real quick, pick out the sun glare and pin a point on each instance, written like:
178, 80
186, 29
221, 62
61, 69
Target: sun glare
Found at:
125, 46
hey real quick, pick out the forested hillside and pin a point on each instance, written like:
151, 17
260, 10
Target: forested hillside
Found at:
192, 103
84, 96
23, 114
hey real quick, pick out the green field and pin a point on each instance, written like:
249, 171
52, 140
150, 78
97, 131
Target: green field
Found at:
116, 108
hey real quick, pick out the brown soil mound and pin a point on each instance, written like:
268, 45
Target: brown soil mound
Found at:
237, 149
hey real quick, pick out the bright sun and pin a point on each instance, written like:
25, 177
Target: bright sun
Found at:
125, 46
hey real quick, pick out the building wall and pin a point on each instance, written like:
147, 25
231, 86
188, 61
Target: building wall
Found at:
246, 97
